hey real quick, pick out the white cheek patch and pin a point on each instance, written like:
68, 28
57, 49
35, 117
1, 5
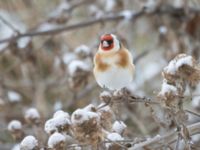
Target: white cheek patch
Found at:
105, 44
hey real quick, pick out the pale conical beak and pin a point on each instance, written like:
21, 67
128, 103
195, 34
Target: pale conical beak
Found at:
105, 44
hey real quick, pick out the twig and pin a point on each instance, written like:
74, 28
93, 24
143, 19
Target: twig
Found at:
117, 143
178, 141
107, 18
9, 24
191, 112
168, 138
133, 99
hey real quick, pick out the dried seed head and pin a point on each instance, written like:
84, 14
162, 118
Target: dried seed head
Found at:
169, 94
59, 123
86, 126
15, 128
106, 116
32, 116
83, 51
182, 67
57, 141
105, 96
79, 72
29, 143
60, 113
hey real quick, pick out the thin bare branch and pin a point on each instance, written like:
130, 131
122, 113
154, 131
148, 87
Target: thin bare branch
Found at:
168, 138
9, 24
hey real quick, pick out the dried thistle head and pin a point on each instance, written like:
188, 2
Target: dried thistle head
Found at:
181, 116
83, 51
32, 116
182, 67
86, 126
169, 94
105, 96
106, 116
29, 143
15, 128
57, 141
59, 123
79, 72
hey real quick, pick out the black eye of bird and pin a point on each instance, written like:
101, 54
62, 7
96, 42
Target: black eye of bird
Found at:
109, 41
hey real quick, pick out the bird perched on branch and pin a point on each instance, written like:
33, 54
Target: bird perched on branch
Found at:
113, 64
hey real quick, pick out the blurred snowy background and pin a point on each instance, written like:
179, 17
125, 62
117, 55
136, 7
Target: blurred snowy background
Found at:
47, 47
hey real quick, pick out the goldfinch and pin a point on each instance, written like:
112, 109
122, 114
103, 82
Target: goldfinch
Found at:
113, 64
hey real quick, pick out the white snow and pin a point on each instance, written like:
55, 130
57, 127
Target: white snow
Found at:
68, 57
81, 115
105, 93
163, 29
49, 126
14, 96
114, 136
29, 143
16, 147
61, 113
77, 64
128, 14
14, 125
57, 105
89, 107
32, 113
174, 65
171, 68
119, 127
52, 124
82, 49
55, 139
23, 42
196, 102
168, 88
184, 61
